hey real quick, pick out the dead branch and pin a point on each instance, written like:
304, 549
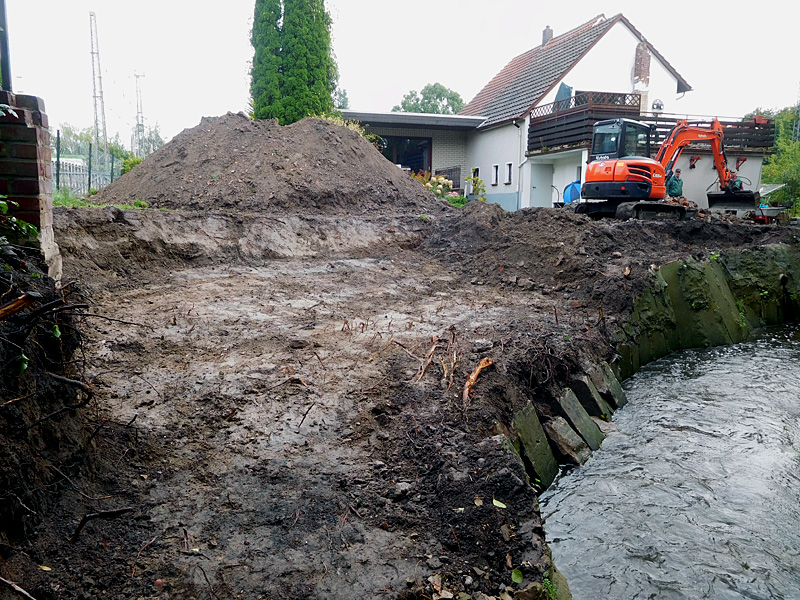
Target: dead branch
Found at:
17, 589
57, 470
16, 306
106, 514
96, 316
25, 397
79, 384
429, 357
371, 389
320, 361
289, 380
150, 384
313, 404
473, 379
411, 354
212, 593
45, 308
143, 548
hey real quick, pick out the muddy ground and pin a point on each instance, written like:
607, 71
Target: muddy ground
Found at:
279, 388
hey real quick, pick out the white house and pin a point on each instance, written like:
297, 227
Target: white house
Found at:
527, 133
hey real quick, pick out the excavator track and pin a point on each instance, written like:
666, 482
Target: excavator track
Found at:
651, 211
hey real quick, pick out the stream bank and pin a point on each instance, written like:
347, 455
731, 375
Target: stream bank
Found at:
722, 299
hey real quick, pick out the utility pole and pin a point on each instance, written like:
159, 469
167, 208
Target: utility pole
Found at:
100, 133
138, 134
5, 59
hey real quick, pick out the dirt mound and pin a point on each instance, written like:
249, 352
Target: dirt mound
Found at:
232, 162
595, 263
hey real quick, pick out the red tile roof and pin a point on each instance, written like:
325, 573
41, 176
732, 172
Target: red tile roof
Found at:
527, 78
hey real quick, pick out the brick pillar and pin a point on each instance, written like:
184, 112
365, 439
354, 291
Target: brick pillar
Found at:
26, 176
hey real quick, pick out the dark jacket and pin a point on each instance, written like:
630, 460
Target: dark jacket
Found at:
675, 186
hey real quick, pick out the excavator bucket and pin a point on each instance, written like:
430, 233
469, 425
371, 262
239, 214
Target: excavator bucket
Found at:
733, 201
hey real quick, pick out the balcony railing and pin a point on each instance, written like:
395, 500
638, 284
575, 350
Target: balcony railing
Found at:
568, 123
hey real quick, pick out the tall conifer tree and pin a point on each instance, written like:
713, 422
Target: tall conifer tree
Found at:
294, 74
265, 82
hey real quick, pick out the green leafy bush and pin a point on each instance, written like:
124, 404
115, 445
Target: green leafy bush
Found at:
12, 225
337, 119
478, 188
129, 163
457, 200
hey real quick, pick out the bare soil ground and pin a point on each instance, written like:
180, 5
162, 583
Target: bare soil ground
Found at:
279, 371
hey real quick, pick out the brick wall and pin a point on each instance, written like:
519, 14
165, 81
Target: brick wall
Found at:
26, 177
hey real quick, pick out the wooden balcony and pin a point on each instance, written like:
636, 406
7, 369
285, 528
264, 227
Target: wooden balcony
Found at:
568, 124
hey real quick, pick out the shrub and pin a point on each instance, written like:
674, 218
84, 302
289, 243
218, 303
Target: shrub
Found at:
456, 199
11, 226
129, 163
337, 119
438, 184
478, 188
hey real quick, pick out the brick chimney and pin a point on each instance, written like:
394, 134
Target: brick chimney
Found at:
641, 75
547, 35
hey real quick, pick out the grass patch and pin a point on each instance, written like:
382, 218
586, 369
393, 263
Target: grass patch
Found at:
64, 197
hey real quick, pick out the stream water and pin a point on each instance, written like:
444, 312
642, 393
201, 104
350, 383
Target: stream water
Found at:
697, 495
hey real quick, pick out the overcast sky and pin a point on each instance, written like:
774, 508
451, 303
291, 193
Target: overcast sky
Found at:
194, 56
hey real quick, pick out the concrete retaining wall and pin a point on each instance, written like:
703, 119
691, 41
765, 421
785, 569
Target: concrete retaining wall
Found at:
689, 304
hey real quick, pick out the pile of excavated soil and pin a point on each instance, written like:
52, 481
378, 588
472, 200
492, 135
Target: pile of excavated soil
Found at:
596, 263
232, 162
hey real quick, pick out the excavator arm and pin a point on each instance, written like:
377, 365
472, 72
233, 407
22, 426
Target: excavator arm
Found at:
683, 134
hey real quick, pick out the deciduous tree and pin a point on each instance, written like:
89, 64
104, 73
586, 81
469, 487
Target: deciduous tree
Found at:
784, 165
435, 98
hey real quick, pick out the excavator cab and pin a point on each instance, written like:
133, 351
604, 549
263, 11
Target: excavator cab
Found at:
620, 138
620, 171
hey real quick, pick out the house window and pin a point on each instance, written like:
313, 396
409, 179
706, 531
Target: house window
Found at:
495, 174
413, 154
509, 171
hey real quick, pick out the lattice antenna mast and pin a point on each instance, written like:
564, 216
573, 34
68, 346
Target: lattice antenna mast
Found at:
100, 132
138, 134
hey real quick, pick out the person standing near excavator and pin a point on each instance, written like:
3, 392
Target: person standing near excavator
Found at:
675, 185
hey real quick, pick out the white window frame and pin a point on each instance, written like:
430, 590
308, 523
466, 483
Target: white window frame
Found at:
495, 174
476, 173
509, 173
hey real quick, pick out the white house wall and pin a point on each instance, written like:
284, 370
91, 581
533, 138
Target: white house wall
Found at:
565, 171
704, 176
498, 146
608, 67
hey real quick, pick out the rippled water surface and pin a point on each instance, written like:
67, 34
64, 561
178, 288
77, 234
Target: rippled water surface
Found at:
698, 493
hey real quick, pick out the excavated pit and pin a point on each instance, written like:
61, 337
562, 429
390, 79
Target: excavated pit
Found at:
279, 368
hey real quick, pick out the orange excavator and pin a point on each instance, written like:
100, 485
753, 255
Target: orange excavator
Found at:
623, 181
